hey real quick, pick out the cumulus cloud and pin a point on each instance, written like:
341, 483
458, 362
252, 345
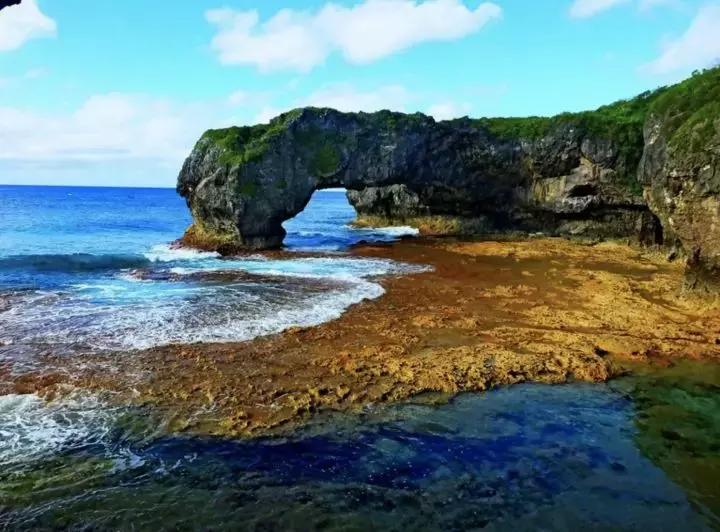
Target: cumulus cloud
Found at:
698, 47
106, 127
363, 33
23, 22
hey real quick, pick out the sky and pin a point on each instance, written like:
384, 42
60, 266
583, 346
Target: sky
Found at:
102, 92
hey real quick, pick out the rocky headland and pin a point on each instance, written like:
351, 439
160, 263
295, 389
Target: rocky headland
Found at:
644, 169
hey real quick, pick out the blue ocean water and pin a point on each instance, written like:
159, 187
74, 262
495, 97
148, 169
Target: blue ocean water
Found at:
88, 269
532, 457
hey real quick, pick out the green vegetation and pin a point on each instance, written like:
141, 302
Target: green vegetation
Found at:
247, 189
621, 122
242, 145
325, 160
198, 237
690, 112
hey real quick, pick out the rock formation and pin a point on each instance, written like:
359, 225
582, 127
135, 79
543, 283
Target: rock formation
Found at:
572, 174
242, 183
8, 3
681, 170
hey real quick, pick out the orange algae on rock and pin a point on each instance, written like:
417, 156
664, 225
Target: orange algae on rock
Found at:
489, 314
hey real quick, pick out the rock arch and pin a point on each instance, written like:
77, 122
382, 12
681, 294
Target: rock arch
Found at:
550, 175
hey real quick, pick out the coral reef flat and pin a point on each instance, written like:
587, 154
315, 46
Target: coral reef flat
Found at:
485, 314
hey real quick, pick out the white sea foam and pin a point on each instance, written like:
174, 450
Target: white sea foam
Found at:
166, 253
345, 268
398, 231
30, 428
119, 313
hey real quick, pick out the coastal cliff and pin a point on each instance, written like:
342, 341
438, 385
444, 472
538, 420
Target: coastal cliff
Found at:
603, 174
680, 169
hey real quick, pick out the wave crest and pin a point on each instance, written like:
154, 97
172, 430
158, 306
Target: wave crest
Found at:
76, 262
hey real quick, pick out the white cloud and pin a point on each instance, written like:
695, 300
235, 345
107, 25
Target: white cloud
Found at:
243, 98
449, 110
238, 98
368, 31
20, 23
696, 48
106, 127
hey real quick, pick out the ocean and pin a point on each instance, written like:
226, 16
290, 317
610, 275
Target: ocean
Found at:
92, 269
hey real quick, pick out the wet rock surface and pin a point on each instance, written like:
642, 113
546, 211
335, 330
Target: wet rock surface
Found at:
491, 313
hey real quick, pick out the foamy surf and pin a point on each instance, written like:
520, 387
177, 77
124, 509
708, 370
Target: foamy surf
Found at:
197, 297
168, 253
31, 429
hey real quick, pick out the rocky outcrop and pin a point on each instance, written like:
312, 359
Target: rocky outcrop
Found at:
562, 175
574, 174
9, 3
681, 170
392, 202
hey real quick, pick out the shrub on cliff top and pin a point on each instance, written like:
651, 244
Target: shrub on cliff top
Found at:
690, 112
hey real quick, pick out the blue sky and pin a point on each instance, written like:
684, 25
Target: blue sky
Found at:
102, 92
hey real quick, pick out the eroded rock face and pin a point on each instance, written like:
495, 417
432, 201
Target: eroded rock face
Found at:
8, 3
681, 170
573, 174
242, 183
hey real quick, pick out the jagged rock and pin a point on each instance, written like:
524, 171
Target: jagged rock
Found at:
8, 3
573, 174
558, 176
681, 168
394, 201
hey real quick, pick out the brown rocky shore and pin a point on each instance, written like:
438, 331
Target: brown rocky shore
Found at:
490, 313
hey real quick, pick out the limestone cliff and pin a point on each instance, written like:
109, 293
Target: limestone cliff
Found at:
681, 170
572, 174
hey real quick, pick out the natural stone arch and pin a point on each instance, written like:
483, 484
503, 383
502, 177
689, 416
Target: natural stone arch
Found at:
242, 183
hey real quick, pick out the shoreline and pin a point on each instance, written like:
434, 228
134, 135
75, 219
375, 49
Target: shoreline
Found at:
491, 313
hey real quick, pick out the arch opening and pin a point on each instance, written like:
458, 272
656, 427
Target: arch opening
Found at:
327, 224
